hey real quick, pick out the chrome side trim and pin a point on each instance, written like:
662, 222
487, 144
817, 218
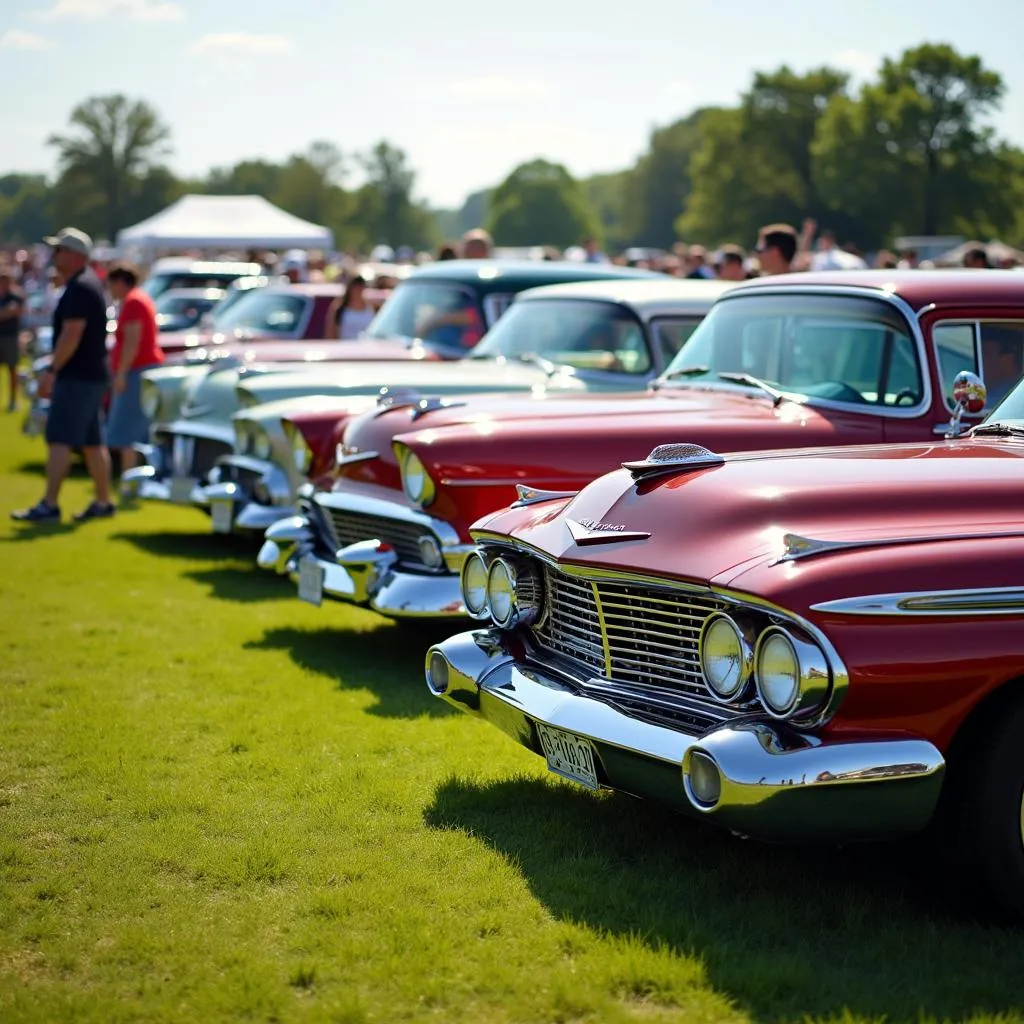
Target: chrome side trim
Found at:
344, 457
980, 601
535, 495
796, 547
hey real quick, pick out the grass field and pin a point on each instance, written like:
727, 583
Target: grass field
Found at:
219, 804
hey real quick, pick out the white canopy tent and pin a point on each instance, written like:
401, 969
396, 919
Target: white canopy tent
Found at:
224, 222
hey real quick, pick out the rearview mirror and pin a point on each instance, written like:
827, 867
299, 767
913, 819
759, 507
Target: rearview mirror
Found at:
969, 396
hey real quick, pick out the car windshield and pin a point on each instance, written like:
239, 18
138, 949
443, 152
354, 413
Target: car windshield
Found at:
156, 284
441, 314
260, 311
185, 307
839, 348
586, 334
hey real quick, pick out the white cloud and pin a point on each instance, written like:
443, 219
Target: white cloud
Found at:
240, 43
857, 62
129, 10
15, 39
680, 89
496, 87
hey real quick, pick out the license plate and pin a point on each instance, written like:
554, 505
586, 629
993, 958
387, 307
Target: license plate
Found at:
223, 515
181, 489
568, 755
311, 581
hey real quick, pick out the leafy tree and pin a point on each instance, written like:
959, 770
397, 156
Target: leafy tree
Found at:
540, 203
753, 165
26, 208
474, 211
912, 152
112, 144
246, 178
390, 214
656, 190
605, 194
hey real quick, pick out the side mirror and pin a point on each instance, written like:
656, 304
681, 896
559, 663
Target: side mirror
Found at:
969, 396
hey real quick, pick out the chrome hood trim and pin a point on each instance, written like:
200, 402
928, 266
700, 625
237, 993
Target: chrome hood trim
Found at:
796, 547
980, 601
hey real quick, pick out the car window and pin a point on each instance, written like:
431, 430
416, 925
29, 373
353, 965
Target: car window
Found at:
263, 312
1002, 359
956, 350
496, 305
669, 334
587, 335
834, 347
444, 316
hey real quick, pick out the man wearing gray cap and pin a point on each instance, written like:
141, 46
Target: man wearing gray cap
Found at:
77, 381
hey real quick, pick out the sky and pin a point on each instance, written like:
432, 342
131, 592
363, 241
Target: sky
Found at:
468, 89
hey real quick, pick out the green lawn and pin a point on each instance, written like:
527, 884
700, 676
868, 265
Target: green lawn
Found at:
219, 804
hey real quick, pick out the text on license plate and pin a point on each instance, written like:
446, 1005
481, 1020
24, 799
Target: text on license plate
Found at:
181, 489
568, 755
311, 581
223, 515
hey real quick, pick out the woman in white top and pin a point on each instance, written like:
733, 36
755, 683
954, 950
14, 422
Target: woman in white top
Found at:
349, 314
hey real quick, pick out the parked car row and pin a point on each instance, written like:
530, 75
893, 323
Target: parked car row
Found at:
755, 551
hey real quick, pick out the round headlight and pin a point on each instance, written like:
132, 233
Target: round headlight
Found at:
150, 400
301, 454
501, 592
726, 657
416, 480
792, 675
261, 443
514, 591
474, 586
430, 552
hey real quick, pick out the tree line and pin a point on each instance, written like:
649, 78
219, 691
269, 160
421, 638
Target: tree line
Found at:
910, 152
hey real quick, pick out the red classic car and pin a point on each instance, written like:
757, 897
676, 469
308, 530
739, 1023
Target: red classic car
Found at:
820, 644
811, 359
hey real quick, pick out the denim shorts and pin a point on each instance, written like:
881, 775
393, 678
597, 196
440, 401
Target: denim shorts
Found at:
75, 417
126, 422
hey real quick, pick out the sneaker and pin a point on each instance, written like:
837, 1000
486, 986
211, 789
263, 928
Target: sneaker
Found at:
40, 513
95, 511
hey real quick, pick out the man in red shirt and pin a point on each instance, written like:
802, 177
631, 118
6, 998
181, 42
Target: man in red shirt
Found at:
136, 348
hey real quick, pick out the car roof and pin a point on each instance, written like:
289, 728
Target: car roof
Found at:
194, 293
180, 264
515, 275
315, 289
648, 296
918, 288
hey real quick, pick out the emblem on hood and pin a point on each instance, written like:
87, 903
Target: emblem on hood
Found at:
673, 458
587, 531
345, 454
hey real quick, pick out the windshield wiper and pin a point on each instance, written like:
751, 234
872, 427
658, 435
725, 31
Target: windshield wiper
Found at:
683, 371
754, 382
998, 430
535, 360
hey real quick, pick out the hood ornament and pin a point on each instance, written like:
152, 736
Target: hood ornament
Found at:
587, 531
432, 404
346, 454
535, 495
674, 458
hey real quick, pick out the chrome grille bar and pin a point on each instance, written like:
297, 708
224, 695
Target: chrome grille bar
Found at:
352, 527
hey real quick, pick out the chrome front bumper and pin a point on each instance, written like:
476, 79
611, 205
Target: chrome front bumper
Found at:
153, 481
258, 497
365, 573
774, 783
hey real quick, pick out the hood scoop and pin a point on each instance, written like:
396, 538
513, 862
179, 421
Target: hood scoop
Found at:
674, 458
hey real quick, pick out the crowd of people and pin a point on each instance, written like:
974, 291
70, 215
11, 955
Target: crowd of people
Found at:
75, 288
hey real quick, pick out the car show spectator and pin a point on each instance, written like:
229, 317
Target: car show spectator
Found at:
477, 245
976, 257
777, 246
76, 382
447, 251
349, 314
830, 256
136, 348
731, 265
12, 306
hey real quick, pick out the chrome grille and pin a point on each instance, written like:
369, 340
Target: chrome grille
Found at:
351, 527
651, 634
188, 455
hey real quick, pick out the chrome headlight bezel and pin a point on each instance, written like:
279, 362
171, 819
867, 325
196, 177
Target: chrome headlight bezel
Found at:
515, 592
243, 437
473, 582
743, 640
302, 454
417, 482
808, 666
262, 446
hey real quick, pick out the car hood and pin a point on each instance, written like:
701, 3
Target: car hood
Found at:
464, 376
369, 350
714, 524
304, 405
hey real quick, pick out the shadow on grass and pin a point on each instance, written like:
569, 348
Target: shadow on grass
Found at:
200, 545
243, 583
784, 932
387, 661
37, 531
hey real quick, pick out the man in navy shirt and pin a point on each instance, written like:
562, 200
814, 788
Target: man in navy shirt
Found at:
77, 381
